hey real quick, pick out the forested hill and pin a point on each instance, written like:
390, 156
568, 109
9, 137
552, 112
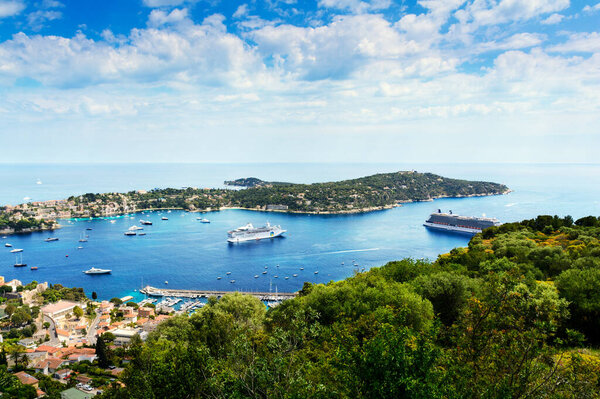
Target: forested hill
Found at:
365, 193
513, 315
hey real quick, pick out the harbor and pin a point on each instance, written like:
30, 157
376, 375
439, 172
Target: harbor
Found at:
180, 293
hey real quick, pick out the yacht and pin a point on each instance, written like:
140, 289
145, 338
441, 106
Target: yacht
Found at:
203, 220
50, 239
95, 270
82, 238
134, 228
130, 233
146, 222
164, 218
19, 261
8, 245
16, 250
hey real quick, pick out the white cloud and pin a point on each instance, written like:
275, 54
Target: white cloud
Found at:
37, 19
356, 6
241, 11
158, 17
10, 8
490, 12
553, 19
514, 42
163, 3
579, 42
591, 9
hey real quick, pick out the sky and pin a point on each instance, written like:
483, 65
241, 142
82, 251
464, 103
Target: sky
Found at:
299, 81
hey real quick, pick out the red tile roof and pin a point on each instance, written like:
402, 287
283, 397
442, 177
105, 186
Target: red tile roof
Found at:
26, 378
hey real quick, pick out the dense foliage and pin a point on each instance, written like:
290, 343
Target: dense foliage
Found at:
506, 317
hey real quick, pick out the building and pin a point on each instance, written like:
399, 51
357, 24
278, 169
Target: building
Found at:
60, 309
123, 335
48, 366
27, 379
145, 312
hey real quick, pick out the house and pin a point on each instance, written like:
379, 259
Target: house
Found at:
27, 379
84, 379
145, 311
80, 357
51, 350
123, 335
74, 393
62, 374
63, 335
48, 366
60, 309
28, 343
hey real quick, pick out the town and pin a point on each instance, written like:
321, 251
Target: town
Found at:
56, 339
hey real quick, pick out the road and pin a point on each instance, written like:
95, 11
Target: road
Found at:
54, 341
91, 333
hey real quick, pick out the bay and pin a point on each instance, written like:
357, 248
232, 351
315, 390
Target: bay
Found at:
189, 254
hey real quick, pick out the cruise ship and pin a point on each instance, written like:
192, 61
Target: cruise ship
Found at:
95, 270
249, 233
459, 224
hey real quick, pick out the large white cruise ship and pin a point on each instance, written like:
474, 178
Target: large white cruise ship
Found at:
249, 233
459, 224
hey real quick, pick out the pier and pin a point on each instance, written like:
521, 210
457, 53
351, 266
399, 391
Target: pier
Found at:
168, 292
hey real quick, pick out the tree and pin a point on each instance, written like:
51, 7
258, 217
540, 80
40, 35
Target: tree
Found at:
94, 295
78, 312
20, 317
102, 353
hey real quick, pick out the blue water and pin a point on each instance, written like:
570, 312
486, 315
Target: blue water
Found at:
189, 254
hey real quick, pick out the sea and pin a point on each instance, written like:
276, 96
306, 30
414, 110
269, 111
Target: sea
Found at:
183, 253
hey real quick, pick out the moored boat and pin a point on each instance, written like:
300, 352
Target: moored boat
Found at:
95, 270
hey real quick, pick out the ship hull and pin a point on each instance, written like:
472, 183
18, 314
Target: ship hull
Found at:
452, 229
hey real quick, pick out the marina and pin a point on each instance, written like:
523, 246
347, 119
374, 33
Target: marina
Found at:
179, 293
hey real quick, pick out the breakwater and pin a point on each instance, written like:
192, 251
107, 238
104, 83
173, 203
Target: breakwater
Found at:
168, 292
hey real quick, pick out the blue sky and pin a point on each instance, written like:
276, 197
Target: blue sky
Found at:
291, 80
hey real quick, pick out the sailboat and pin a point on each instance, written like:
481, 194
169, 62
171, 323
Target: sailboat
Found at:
19, 261
82, 237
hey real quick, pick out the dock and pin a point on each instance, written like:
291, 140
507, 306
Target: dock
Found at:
168, 292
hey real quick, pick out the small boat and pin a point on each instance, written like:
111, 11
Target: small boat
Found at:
256, 276
166, 282
228, 273
95, 270
202, 220
38, 181
317, 272
16, 250
135, 228
275, 276
79, 247
142, 234
82, 238
301, 268
8, 245
232, 281
218, 278
4, 237
19, 261
113, 221
34, 267
50, 239
66, 256
146, 222
294, 275
89, 228
342, 263
164, 218
266, 267
265, 272
130, 233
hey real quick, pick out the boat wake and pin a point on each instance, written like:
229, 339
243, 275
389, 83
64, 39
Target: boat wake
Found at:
348, 251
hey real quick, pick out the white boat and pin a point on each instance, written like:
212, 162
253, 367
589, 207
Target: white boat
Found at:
82, 237
134, 228
51, 239
79, 247
113, 221
95, 270
16, 250
164, 218
130, 233
459, 224
38, 181
203, 220
249, 233
8, 245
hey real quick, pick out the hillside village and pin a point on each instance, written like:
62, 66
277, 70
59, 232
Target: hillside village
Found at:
50, 337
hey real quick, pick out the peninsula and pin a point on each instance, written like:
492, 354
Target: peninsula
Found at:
376, 192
